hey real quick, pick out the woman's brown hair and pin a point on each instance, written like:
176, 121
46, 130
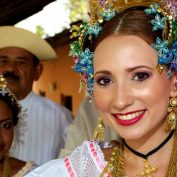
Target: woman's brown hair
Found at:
133, 21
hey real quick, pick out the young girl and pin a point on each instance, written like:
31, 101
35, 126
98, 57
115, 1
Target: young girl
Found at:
9, 116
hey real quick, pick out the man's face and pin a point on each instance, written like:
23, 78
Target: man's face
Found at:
17, 66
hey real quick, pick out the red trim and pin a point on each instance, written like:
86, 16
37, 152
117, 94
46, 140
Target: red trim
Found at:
95, 155
69, 167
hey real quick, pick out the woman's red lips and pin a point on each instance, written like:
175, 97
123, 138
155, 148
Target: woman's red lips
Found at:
129, 118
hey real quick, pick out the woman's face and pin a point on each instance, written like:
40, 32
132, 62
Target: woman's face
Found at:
6, 128
129, 93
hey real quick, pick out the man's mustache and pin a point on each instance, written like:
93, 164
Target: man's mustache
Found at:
11, 75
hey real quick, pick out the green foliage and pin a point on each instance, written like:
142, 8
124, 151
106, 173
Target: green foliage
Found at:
40, 30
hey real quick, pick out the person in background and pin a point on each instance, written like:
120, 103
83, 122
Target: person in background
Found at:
20, 54
10, 111
127, 57
82, 127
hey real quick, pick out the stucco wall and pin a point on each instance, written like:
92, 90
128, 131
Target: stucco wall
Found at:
58, 73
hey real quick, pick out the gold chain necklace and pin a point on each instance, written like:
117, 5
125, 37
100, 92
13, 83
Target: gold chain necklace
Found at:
148, 168
7, 171
115, 167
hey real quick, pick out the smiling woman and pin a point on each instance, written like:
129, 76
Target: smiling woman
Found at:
9, 115
127, 87
127, 57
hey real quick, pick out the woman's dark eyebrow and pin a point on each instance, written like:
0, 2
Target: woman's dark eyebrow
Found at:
128, 69
138, 67
102, 72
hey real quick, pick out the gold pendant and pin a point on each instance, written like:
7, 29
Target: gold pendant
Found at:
148, 170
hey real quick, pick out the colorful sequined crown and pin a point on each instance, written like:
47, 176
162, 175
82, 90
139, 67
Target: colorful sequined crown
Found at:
98, 6
165, 13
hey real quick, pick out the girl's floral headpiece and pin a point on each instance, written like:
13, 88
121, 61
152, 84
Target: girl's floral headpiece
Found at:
11, 100
165, 19
4, 91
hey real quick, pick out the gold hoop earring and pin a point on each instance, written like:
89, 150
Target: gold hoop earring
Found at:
99, 130
171, 118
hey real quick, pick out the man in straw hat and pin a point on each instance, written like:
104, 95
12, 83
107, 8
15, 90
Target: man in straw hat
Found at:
46, 121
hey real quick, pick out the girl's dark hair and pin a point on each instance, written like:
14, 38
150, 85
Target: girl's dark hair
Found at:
13, 105
132, 21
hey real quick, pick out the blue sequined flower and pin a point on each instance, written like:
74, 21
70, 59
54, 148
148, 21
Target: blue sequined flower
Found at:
164, 54
84, 65
108, 14
167, 54
152, 9
94, 29
158, 23
174, 61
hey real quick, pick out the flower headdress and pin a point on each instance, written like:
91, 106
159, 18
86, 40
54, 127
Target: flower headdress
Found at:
4, 91
165, 19
103, 10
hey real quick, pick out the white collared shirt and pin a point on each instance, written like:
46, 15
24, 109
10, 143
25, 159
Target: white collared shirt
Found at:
44, 131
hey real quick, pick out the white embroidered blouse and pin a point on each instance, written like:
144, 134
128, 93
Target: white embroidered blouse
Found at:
86, 161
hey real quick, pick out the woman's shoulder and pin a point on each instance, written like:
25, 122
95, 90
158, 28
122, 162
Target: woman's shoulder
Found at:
20, 168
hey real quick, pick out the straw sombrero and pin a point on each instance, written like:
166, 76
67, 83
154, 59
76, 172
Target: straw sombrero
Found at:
11, 36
